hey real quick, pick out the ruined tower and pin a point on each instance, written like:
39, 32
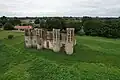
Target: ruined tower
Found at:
39, 35
28, 38
70, 41
34, 38
56, 40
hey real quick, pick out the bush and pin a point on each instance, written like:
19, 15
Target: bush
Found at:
10, 36
81, 32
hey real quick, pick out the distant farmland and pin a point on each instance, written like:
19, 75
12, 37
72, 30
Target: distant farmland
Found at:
95, 58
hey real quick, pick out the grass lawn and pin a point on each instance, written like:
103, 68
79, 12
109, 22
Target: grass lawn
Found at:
4, 34
95, 58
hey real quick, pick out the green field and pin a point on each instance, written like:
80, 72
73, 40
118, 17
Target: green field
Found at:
95, 58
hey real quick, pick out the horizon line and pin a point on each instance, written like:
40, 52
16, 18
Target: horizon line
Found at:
64, 16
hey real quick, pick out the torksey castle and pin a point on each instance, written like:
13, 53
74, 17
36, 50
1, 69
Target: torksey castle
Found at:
55, 40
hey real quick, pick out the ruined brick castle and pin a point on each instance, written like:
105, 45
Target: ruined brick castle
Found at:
55, 40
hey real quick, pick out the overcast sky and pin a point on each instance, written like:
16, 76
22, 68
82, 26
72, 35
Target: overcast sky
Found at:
60, 7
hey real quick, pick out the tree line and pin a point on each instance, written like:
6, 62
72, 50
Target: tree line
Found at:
103, 27
9, 23
109, 28
58, 22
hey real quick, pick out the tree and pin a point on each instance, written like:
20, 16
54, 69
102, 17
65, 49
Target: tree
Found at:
15, 21
8, 26
4, 20
37, 21
53, 23
43, 23
74, 24
1, 25
62, 21
93, 27
81, 32
85, 18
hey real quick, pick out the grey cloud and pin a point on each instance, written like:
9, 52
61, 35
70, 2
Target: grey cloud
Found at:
60, 7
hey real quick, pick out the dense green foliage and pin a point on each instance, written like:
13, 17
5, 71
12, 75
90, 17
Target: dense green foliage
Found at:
3, 20
15, 21
106, 28
95, 58
58, 22
93, 26
8, 26
37, 21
